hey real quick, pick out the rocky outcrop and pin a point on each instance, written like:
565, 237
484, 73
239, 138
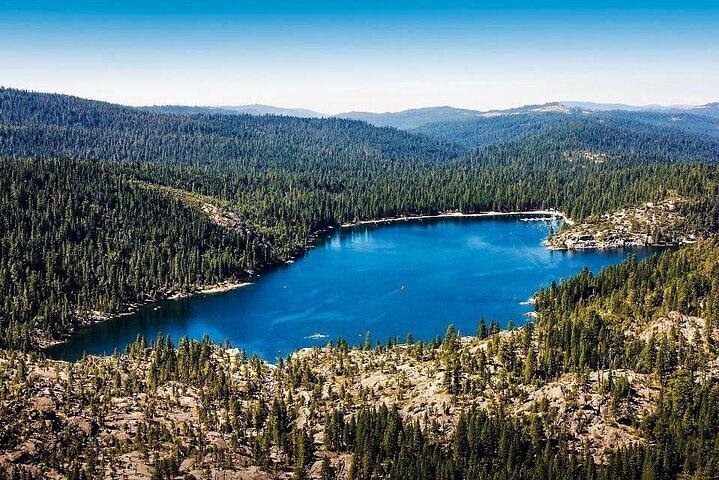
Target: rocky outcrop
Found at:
649, 224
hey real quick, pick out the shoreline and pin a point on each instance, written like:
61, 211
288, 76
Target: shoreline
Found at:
645, 225
210, 289
491, 213
91, 317
626, 246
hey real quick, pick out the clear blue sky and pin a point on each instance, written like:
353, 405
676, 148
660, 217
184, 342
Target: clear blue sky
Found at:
340, 55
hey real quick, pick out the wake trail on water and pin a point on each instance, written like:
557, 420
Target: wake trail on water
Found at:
379, 298
533, 261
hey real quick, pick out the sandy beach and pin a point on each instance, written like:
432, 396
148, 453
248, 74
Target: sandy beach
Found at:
552, 213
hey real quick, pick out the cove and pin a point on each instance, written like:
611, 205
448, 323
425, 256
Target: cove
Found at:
409, 276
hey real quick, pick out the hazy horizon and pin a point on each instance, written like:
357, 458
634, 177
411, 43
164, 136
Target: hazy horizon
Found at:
364, 56
417, 107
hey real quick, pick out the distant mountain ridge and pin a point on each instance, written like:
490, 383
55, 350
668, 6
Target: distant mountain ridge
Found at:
708, 109
420, 117
416, 118
625, 106
254, 109
413, 118
260, 109
628, 128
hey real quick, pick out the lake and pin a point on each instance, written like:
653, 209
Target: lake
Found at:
409, 276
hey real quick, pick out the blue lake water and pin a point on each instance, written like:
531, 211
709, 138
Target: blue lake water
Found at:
391, 279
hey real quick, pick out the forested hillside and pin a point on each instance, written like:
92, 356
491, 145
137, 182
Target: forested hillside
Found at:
113, 209
656, 136
48, 125
490, 130
80, 237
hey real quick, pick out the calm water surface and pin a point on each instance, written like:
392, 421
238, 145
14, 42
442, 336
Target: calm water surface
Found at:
391, 279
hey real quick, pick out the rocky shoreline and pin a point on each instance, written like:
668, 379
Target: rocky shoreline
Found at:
91, 317
650, 224
580, 241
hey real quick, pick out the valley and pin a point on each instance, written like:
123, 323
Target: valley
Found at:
336, 366
359, 240
388, 278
